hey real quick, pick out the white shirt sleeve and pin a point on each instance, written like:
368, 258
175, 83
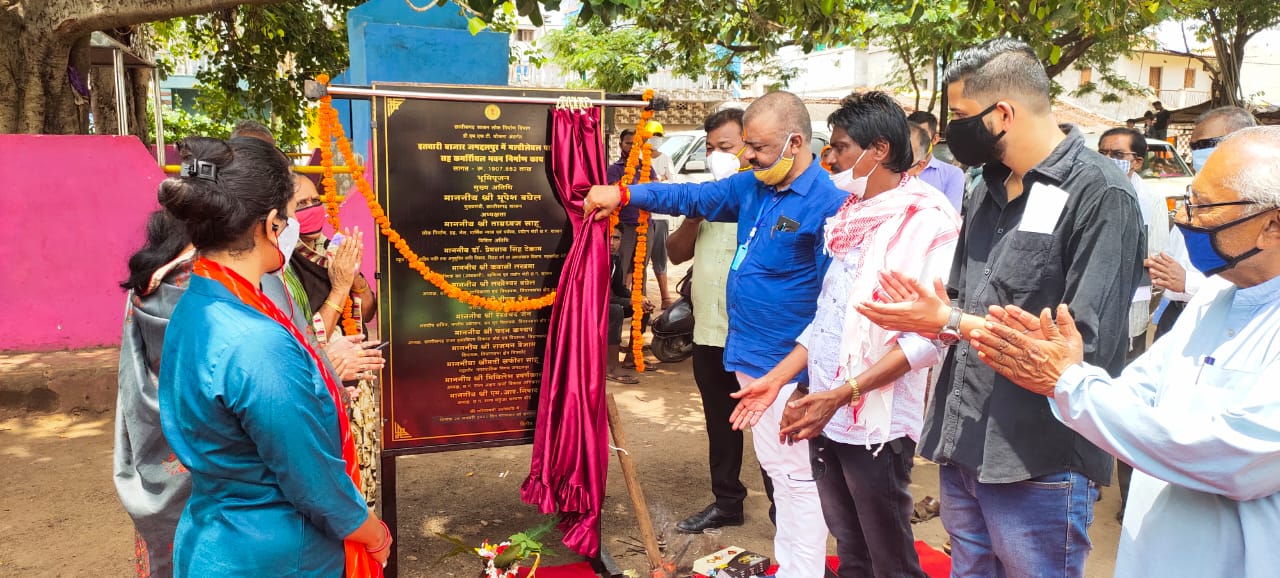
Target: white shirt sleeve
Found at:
921, 353
1233, 453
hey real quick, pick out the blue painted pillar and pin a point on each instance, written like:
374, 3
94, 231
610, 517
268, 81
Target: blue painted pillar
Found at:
391, 42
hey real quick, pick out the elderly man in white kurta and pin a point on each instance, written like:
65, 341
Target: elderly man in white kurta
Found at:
1198, 416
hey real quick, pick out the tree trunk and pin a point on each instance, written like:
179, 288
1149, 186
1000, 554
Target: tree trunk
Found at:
936, 68
944, 111
10, 61
904, 54
1226, 88
48, 37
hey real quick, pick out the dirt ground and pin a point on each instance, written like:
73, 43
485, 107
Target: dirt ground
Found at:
60, 516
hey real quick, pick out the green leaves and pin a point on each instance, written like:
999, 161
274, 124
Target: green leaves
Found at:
612, 59
258, 56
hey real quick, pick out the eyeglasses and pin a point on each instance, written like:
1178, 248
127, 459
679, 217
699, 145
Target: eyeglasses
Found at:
1205, 143
1186, 202
1116, 154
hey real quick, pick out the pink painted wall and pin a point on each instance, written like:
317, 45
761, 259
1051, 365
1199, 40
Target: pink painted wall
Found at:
72, 211
354, 213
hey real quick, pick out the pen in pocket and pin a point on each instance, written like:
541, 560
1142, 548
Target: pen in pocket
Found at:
1208, 360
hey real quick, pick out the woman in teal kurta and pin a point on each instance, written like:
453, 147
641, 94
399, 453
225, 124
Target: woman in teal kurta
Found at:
243, 403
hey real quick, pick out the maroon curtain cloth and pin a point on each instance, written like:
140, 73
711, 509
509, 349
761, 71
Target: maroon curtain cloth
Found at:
570, 444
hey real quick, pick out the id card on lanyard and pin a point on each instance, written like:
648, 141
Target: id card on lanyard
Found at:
741, 255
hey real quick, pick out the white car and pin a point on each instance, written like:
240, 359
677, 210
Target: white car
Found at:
1164, 172
688, 152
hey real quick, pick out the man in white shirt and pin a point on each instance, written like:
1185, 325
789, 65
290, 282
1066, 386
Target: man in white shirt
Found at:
865, 401
659, 224
1127, 148
1171, 270
1198, 415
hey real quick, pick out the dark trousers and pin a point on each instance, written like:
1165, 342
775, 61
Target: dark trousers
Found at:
619, 310
867, 506
724, 445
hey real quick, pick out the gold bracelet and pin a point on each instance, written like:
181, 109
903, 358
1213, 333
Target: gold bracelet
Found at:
331, 304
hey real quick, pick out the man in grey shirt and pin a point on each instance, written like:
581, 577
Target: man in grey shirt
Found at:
1051, 222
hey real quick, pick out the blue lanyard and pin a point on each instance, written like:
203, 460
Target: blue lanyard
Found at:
764, 210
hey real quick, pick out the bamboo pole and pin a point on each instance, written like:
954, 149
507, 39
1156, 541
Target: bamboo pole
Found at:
647, 535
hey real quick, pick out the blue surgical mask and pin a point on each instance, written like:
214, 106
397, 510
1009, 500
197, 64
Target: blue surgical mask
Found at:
1198, 157
1123, 165
1204, 252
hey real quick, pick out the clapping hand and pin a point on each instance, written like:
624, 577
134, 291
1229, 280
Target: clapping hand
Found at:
1167, 273
346, 261
1035, 364
1014, 317
904, 304
354, 358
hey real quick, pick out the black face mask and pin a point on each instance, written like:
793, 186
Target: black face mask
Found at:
971, 142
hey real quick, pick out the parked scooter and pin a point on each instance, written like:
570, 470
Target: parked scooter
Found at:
673, 330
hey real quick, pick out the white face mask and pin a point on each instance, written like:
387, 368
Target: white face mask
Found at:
845, 181
289, 239
1124, 165
722, 164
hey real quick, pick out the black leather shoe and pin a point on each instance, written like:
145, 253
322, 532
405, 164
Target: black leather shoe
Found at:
711, 517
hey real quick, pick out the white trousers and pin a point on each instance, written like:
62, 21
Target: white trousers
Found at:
800, 542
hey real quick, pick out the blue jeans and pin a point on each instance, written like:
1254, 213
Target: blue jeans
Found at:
1037, 528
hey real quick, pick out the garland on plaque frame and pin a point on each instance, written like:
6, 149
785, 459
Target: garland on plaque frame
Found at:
638, 162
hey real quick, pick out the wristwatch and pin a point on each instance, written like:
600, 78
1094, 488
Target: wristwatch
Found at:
950, 333
857, 392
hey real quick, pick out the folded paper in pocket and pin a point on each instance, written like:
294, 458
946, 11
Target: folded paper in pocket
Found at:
1044, 207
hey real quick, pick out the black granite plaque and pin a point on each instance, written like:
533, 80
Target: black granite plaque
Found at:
467, 185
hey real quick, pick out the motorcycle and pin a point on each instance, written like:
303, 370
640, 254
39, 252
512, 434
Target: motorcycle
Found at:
673, 330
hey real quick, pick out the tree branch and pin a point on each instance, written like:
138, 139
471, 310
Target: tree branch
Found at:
744, 48
1070, 54
1209, 66
85, 17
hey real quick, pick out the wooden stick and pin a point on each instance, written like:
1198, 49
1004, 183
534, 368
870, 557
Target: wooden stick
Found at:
650, 538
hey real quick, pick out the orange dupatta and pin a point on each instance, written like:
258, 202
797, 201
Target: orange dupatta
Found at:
359, 564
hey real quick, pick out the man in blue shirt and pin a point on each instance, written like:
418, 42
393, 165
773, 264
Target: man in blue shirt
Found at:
945, 177
774, 281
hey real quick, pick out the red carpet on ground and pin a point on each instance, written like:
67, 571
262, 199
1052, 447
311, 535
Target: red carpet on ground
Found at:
933, 561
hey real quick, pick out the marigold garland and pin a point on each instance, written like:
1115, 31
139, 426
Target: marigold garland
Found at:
330, 127
641, 155
331, 202
349, 325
